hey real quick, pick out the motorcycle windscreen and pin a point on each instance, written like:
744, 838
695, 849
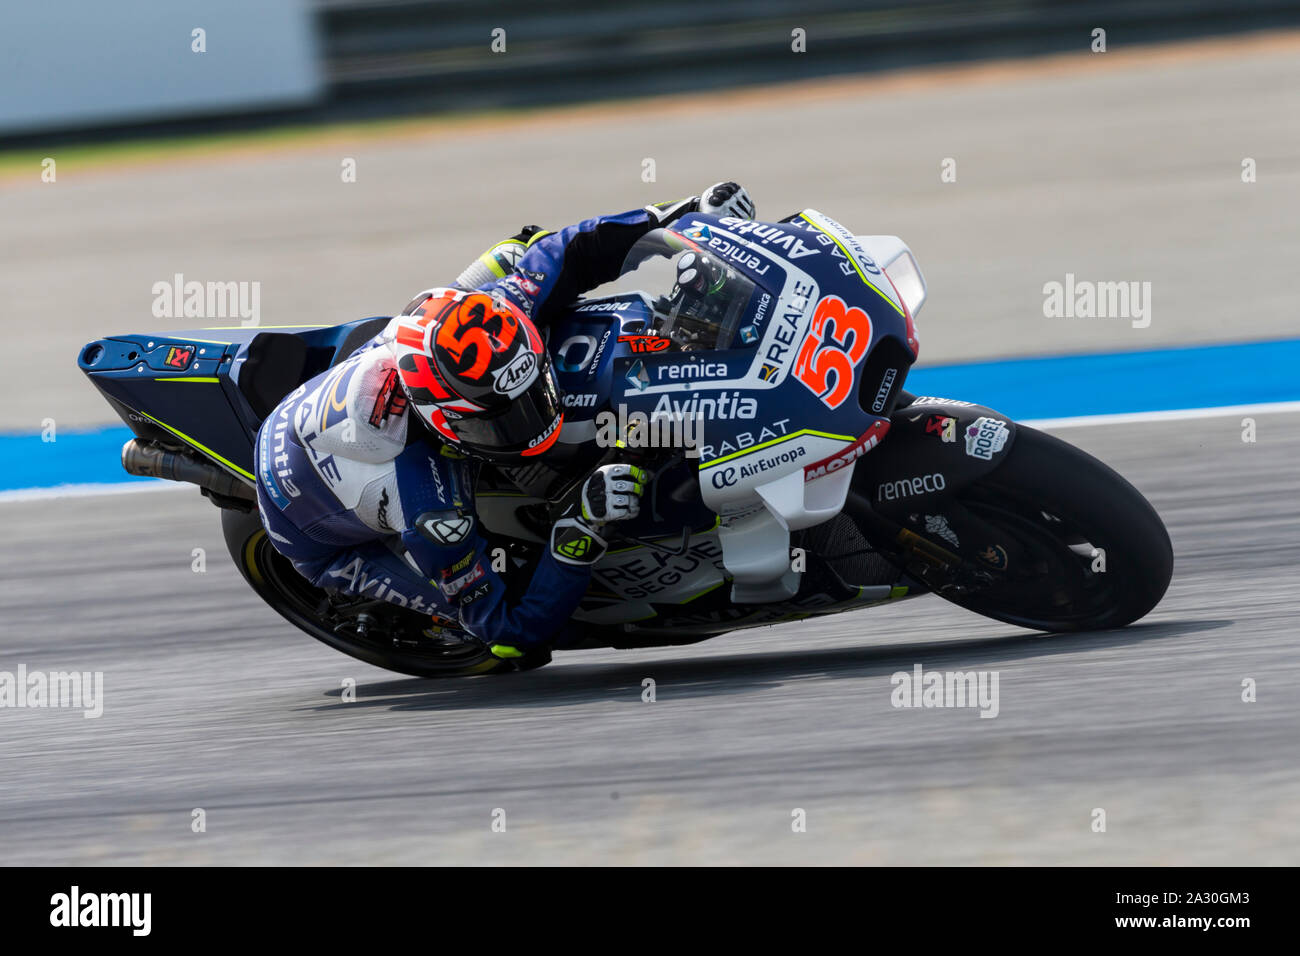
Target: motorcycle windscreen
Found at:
695, 299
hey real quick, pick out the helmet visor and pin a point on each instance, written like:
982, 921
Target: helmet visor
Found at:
527, 425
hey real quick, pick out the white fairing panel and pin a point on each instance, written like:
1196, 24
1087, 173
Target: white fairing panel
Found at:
901, 266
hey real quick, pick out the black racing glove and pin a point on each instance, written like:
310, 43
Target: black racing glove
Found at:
610, 493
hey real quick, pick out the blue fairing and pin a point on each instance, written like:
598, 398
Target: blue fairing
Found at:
750, 393
184, 387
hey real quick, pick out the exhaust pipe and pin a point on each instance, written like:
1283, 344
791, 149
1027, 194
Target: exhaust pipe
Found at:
153, 461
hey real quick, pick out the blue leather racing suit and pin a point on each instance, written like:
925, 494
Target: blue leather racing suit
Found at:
363, 499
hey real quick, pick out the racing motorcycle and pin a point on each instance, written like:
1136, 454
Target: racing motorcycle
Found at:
794, 476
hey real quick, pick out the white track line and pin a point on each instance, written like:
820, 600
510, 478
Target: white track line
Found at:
1172, 415
1178, 414
89, 490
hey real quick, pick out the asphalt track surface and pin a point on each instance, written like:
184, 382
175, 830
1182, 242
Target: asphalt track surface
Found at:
211, 701
1121, 170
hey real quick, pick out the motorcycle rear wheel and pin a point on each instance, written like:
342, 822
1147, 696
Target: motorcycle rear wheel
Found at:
405, 650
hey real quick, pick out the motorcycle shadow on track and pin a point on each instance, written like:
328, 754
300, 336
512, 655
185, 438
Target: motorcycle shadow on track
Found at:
717, 675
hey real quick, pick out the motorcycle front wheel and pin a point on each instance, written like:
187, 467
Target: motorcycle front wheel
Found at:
1065, 543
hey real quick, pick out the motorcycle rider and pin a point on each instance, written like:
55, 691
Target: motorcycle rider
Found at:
366, 503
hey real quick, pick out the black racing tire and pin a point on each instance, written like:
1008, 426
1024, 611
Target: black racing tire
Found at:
1048, 497
276, 582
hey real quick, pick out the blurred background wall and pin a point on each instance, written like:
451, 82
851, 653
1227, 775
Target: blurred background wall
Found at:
90, 63
84, 65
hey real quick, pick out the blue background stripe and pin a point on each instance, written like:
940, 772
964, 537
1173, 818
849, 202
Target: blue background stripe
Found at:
1052, 387
1110, 383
